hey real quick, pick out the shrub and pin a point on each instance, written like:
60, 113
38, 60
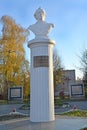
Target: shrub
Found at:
61, 95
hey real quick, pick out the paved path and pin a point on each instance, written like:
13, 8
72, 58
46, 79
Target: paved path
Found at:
5, 109
80, 105
60, 123
64, 123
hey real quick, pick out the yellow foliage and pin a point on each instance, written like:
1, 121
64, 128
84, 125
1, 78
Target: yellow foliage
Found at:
13, 54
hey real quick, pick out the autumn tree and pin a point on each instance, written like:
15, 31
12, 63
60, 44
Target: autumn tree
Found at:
83, 68
12, 51
84, 63
25, 78
57, 69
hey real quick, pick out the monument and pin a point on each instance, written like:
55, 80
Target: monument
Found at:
77, 91
41, 76
15, 93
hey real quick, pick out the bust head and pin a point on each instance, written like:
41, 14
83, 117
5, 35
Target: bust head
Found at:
40, 14
41, 28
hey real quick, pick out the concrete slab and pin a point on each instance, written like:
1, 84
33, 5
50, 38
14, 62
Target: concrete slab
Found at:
61, 123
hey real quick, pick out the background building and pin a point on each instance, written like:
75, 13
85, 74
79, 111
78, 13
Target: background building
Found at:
68, 79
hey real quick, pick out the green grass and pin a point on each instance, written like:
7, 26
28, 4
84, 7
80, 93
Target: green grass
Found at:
12, 116
58, 102
84, 128
78, 113
3, 102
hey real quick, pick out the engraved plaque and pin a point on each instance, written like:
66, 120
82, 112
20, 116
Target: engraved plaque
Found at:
41, 61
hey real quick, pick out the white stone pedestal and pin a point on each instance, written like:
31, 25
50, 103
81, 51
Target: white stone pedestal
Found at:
41, 81
41, 76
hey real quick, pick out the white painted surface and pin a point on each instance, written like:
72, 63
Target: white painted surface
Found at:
41, 82
41, 28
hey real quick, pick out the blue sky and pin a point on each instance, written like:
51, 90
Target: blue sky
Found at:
69, 18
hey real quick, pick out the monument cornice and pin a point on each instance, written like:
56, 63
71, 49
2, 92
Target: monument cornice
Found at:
42, 41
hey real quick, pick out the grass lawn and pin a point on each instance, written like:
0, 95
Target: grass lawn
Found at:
84, 129
12, 116
77, 112
3, 102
